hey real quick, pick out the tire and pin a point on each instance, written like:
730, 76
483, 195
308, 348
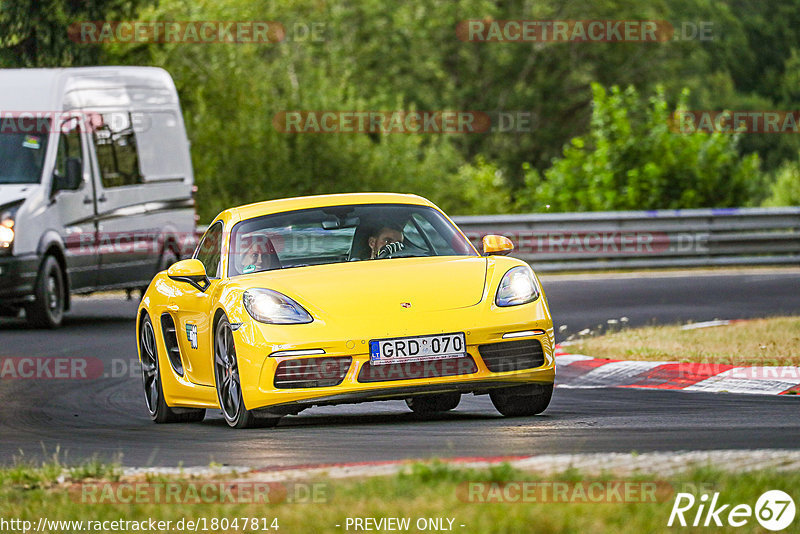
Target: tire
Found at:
151, 380
228, 383
47, 308
436, 403
521, 401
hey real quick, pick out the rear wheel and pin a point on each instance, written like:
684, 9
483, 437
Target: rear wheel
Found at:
435, 403
151, 377
229, 386
47, 308
525, 400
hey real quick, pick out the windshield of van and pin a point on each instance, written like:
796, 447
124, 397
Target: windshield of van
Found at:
340, 234
21, 157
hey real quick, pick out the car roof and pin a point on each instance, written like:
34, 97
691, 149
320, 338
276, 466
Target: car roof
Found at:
316, 201
33, 90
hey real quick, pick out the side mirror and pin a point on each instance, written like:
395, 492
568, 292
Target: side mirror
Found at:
190, 271
73, 178
497, 244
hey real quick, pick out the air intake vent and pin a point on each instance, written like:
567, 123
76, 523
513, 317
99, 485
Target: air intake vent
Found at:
512, 355
171, 343
411, 370
312, 372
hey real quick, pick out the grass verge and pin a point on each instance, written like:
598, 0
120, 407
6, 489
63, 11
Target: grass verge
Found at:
432, 490
774, 341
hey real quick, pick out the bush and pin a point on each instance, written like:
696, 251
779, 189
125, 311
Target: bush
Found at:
785, 189
631, 160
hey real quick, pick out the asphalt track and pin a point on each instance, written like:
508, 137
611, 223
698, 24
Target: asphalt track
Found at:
106, 417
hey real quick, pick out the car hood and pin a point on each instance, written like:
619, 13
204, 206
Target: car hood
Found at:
380, 286
10, 193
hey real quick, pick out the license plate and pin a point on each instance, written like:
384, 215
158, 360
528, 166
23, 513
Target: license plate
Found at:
417, 349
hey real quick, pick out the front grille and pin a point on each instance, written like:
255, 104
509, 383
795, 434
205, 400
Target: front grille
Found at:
512, 355
171, 342
312, 372
408, 371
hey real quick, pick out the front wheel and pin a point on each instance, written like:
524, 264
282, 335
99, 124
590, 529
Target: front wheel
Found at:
47, 308
520, 401
151, 378
228, 382
431, 404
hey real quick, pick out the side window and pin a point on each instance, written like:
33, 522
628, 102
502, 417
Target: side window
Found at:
424, 235
69, 147
209, 251
117, 155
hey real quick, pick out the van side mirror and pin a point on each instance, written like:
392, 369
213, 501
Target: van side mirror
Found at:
497, 244
73, 178
190, 271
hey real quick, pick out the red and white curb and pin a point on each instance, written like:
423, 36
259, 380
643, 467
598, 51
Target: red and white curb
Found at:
580, 371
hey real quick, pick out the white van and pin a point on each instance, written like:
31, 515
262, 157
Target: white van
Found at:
96, 184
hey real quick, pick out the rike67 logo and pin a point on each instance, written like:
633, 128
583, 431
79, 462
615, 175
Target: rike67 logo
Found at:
774, 510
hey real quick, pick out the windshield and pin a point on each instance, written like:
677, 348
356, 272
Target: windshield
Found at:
342, 233
21, 157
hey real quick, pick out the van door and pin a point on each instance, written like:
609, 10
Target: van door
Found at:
129, 248
76, 207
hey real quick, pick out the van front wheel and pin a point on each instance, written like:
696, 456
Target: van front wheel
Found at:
47, 308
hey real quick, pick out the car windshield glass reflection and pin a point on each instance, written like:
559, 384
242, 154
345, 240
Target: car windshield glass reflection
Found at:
21, 157
340, 234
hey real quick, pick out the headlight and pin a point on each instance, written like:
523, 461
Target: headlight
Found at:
8, 215
517, 287
267, 306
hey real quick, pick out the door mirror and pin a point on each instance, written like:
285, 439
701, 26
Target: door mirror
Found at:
497, 244
73, 178
190, 271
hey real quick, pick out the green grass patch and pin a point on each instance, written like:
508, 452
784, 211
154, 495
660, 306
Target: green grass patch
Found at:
771, 342
433, 490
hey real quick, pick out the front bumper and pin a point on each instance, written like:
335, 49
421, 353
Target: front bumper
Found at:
478, 378
18, 277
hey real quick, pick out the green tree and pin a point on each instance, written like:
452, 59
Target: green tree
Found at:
785, 190
35, 33
631, 159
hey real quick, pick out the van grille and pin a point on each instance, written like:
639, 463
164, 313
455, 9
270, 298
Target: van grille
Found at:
512, 355
312, 372
411, 370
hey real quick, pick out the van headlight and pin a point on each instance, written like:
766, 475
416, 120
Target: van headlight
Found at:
271, 307
8, 214
517, 287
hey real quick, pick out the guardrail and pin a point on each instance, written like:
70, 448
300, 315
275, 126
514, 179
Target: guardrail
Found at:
646, 239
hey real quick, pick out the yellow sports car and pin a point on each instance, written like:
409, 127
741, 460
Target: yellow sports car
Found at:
333, 299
